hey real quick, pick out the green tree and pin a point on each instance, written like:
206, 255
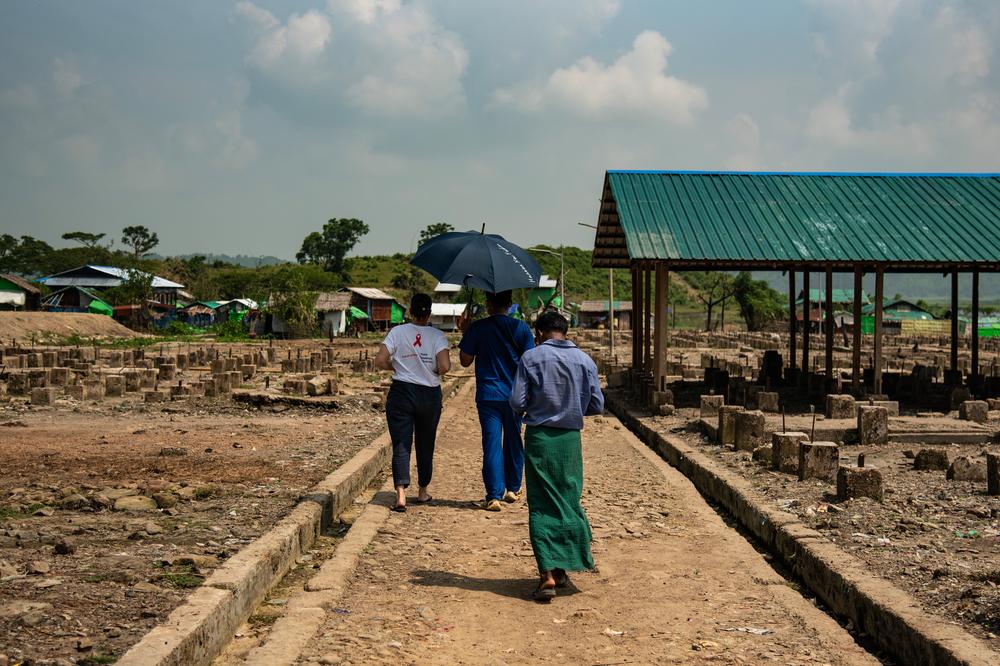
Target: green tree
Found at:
712, 289
433, 230
85, 239
140, 239
32, 257
759, 303
8, 253
329, 246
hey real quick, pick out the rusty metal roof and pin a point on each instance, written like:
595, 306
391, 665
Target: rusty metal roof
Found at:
701, 219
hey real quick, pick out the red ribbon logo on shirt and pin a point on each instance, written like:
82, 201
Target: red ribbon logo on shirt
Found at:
417, 343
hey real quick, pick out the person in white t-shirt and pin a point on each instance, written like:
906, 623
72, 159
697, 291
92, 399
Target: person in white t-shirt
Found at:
418, 355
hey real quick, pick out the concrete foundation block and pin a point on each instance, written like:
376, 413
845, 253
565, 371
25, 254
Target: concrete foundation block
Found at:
974, 410
928, 460
149, 376
994, 403
785, 451
209, 387
767, 401
154, 396
840, 407
248, 370
318, 385
750, 430
818, 460
891, 406
60, 376
222, 383
726, 434
710, 405
167, 372
74, 391
967, 468
993, 473
959, 395
114, 386
763, 454
93, 389
658, 398
43, 396
133, 381
853, 482
873, 426
218, 366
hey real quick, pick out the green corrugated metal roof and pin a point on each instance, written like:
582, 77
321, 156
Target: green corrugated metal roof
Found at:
808, 217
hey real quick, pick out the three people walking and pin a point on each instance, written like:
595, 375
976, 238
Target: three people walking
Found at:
418, 355
495, 344
551, 387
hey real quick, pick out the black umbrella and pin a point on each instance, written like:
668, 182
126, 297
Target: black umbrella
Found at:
478, 260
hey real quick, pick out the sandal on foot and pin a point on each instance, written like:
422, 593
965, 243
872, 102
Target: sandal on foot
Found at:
426, 501
544, 594
562, 578
399, 508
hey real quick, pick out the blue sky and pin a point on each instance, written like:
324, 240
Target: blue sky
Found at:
239, 127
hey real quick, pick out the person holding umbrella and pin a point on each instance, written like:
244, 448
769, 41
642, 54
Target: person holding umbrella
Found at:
489, 262
495, 344
555, 387
418, 355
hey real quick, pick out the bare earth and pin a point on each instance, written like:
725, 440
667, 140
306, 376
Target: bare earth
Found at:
22, 326
450, 583
233, 473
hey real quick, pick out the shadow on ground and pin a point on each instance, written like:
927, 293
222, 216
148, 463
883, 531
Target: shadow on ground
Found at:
515, 588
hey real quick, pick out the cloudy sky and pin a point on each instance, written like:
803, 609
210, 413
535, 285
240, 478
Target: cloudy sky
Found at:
239, 127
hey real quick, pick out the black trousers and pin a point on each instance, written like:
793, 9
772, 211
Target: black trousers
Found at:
412, 412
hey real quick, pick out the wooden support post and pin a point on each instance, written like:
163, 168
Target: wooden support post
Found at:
647, 310
792, 360
806, 320
954, 320
879, 296
611, 315
856, 351
634, 317
829, 323
975, 322
660, 327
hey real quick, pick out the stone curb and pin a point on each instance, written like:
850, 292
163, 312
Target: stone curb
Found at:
887, 614
197, 630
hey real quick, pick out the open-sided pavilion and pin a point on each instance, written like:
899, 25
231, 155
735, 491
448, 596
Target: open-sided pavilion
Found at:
654, 222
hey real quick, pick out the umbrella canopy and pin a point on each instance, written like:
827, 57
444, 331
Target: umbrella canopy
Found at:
483, 261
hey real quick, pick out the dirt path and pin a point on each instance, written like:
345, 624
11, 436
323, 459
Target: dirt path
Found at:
450, 583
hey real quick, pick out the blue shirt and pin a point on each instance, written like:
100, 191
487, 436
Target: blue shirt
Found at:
497, 342
556, 386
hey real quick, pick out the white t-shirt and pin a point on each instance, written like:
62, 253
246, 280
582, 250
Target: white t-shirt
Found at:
413, 350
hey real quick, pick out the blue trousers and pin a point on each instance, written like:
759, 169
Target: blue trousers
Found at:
503, 450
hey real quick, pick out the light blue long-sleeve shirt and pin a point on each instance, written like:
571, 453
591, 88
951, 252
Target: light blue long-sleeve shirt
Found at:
556, 385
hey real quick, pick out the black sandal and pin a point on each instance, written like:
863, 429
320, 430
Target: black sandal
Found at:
562, 578
544, 594
426, 501
399, 508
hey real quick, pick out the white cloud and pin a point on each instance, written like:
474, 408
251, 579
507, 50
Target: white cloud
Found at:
636, 84
417, 70
289, 46
366, 11
850, 32
65, 77
831, 124
382, 57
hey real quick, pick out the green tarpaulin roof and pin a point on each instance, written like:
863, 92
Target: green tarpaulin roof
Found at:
775, 220
355, 313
